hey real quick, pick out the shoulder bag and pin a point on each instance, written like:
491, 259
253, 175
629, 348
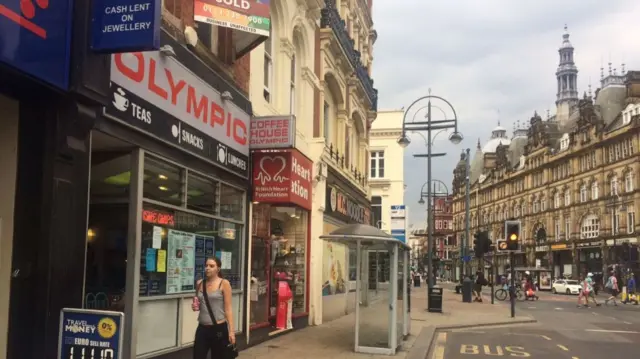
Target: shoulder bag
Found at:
231, 350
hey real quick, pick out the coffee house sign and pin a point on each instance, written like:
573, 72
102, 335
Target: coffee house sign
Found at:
340, 204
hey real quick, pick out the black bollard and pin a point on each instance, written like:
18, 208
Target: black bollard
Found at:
467, 290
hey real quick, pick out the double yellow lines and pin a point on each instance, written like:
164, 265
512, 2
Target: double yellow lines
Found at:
440, 345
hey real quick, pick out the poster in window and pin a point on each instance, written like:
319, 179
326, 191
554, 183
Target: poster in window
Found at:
180, 261
204, 250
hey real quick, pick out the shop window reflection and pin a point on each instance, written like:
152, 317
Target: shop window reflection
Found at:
162, 181
202, 194
231, 202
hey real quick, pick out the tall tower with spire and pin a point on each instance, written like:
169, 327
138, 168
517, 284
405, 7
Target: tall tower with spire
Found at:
567, 77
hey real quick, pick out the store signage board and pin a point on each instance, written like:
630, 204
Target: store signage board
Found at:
36, 39
125, 25
399, 222
251, 16
273, 132
281, 177
345, 208
159, 97
86, 333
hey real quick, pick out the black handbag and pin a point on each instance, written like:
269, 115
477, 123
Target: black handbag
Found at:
231, 351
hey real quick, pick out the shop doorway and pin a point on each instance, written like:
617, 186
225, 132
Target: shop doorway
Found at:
107, 226
9, 164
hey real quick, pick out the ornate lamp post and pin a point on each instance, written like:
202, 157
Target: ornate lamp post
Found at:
428, 126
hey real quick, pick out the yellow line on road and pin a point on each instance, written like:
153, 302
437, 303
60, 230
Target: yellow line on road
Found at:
441, 341
575, 358
563, 347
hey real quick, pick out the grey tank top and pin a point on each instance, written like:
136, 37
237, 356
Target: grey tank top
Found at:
216, 300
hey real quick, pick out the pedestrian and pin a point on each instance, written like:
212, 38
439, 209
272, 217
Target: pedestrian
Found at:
631, 290
480, 281
612, 287
590, 290
215, 332
583, 294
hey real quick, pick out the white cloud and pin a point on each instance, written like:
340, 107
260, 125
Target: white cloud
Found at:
493, 60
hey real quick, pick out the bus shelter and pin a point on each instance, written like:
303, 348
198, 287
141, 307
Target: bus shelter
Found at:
382, 310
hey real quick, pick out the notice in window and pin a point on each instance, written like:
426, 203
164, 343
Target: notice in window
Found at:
180, 261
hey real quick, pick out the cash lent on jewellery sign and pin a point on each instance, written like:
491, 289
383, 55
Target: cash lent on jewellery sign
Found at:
398, 222
90, 334
273, 132
125, 25
250, 16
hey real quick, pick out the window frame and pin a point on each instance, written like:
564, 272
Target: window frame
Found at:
293, 84
590, 230
267, 92
631, 222
377, 163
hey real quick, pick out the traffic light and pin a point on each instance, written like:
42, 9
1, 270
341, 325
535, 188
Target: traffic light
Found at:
476, 245
512, 235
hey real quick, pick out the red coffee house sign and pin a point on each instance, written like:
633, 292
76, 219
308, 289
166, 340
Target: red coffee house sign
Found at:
282, 176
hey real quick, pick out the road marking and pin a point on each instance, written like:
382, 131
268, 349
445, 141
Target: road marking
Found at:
441, 342
563, 347
546, 337
559, 308
529, 335
575, 358
594, 313
531, 307
627, 322
611, 331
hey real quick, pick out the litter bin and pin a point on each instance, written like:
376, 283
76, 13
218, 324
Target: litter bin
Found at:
416, 281
434, 299
467, 290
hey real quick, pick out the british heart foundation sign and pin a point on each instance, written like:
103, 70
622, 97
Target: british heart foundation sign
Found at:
282, 177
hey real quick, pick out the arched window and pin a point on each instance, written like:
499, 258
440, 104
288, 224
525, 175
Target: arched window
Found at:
583, 193
567, 197
613, 185
628, 182
331, 102
594, 190
590, 226
556, 200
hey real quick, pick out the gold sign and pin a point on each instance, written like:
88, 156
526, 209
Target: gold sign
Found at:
558, 246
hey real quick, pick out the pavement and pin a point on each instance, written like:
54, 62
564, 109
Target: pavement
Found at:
562, 331
335, 339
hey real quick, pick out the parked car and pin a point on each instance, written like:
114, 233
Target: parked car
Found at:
566, 286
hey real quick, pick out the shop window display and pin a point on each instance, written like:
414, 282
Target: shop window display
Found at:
278, 254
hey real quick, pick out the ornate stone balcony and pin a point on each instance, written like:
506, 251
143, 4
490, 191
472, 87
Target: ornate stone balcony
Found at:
330, 18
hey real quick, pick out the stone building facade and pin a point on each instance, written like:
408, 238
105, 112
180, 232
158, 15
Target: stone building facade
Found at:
572, 179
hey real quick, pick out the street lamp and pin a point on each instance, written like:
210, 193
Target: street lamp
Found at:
428, 126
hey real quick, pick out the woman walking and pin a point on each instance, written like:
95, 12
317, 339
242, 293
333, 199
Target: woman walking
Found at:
215, 332
612, 286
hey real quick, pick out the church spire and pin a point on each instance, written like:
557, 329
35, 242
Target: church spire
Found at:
567, 73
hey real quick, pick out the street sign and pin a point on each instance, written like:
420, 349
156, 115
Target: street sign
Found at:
502, 245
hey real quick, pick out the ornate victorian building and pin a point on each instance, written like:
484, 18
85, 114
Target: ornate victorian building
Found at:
572, 178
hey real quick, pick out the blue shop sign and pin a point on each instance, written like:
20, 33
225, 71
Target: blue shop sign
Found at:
35, 38
90, 334
125, 25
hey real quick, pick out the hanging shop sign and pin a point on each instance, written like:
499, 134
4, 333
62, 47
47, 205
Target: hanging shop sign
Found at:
273, 132
35, 38
282, 177
157, 95
86, 333
252, 16
125, 25
342, 206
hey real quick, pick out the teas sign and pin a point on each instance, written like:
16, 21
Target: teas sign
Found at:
282, 177
125, 25
87, 334
273, 132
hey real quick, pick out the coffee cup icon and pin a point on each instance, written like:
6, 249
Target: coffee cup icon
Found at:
119, 100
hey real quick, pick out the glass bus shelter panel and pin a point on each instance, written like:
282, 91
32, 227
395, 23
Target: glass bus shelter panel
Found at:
374, 307
401, 297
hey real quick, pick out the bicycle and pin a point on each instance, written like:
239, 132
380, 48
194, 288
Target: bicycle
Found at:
502, 294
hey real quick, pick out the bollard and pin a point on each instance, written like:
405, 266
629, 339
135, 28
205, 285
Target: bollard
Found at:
467, 290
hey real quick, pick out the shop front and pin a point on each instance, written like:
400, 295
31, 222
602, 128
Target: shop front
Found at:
589, 257
561, 260
280, 241
169, 189
541, 256
345, 205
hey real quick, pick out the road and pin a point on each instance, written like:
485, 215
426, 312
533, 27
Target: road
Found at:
563, 331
